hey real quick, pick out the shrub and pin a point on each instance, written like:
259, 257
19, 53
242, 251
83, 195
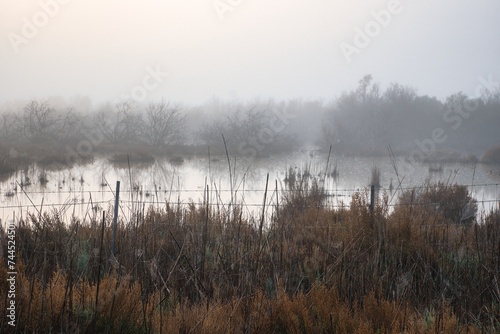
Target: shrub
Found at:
454, 204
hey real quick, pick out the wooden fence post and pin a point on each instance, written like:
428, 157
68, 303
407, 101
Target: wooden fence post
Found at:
115, 219
372, 204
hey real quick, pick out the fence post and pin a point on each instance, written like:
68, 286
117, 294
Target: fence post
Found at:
115, 218
372, 204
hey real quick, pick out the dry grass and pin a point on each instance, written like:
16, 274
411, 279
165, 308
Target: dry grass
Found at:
311, 270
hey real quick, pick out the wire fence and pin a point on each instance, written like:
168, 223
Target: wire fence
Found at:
83, 203
328, 191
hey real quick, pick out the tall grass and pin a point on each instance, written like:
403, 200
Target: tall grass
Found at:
312, 269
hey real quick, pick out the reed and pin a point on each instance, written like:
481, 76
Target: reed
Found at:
308, 268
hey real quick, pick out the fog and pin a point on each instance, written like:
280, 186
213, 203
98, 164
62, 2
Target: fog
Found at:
252, 78
241, 50
296, 165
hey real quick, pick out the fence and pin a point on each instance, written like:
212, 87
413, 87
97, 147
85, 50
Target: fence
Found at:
84, 204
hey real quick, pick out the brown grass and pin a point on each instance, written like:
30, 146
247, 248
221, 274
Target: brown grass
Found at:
312, 270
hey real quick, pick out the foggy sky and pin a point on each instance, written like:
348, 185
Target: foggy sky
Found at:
281, 48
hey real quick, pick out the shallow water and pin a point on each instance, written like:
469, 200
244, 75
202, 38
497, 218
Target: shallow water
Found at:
84, 191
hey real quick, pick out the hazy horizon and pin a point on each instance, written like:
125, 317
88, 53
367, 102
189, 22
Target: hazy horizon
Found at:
241, 49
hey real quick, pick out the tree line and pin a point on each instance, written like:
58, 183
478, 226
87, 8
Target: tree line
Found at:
364, 120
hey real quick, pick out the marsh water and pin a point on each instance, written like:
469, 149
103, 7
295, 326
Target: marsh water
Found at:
85, 190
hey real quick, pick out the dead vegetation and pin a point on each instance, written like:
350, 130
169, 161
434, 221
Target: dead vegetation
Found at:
417, 269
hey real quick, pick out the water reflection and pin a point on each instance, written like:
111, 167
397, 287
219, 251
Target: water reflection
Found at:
85, 190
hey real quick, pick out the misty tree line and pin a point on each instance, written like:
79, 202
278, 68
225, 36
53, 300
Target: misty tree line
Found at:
157, 124
363, 120
367, 119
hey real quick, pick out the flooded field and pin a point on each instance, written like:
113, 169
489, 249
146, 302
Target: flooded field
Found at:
84, 191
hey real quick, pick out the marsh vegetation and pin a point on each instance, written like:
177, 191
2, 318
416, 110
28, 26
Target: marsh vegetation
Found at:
420, 268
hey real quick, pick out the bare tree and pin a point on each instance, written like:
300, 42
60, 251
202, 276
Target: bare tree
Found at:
162, 124
400, 95
368, 92
118, 123
237, 126
246, 127
41, 122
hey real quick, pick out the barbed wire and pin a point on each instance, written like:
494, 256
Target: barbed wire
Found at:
333, 190
332, 199
220, 203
